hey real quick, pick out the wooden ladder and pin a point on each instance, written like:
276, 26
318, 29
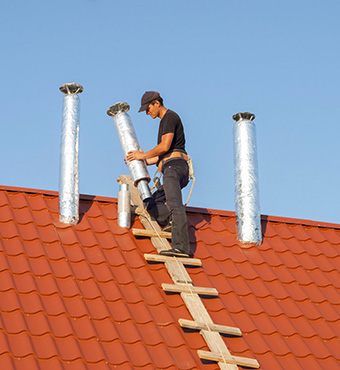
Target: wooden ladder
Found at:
189, 293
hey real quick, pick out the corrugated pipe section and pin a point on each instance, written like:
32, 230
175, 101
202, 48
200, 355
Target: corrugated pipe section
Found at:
69, 149
128, 139
247, 204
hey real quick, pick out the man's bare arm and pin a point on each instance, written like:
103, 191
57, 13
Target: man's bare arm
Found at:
158, 150
151, 161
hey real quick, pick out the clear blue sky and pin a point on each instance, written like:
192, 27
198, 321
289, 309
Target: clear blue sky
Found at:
209, 59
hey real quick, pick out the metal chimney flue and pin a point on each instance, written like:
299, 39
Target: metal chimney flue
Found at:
128, 140
69, 149
247, 205
124, 208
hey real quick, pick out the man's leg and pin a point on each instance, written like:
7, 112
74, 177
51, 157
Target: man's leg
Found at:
174, 179
157, 208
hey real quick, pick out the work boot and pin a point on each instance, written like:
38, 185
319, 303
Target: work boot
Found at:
174, 252
167, 228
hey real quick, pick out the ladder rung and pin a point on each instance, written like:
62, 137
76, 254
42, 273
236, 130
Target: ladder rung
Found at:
185, 288
241, 361
184, 260
151, 233
189, 324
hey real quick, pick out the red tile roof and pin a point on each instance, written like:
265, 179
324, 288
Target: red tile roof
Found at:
83, 297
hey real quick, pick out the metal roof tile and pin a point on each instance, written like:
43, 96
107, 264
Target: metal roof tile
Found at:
302, 276
260, 343
83, 297
107, 241
271, 306
109, 210
272, 258
300, 232
247, 271
252, 304
268, 326
104, 329
17, 199
52, 204
73, 306
296, 292
36, 202
277, 290
294, 309
310, 362
316, 235
284, 231
331, 236
218, 252
254, 256
61, 268
270, 361
289, 260
6, 213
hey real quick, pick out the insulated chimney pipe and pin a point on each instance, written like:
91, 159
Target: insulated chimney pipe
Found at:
247, 205
128, 140
69, 148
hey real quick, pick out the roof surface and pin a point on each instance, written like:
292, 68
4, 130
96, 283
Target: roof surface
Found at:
83, 297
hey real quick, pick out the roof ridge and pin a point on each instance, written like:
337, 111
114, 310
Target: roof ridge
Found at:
209, 211
56, 193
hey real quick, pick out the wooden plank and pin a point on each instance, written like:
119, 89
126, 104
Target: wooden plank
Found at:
200, 314
224, 366
241, 361
159, 243
150, 224
185, 261
149, 233
217, 345
186, 288
196, 308
189, 324
178, 272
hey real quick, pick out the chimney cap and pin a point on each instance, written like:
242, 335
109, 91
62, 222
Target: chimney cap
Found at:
246, 115
118, 107
71, 88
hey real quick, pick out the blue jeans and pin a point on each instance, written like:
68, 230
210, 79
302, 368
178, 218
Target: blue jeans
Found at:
167, 204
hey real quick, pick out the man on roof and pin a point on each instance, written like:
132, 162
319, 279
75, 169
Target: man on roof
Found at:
171, 159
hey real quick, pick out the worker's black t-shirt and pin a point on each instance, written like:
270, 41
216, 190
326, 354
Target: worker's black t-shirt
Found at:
171, 123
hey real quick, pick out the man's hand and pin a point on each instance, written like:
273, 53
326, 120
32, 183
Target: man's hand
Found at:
134, 154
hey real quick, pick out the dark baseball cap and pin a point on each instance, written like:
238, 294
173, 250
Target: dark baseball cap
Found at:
147, 98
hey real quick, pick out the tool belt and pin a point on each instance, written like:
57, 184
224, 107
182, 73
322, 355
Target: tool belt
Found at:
158, 174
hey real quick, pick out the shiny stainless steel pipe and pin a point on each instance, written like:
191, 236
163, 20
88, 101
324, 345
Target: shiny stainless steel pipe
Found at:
247, 205
124, 208
128, 140
69, 149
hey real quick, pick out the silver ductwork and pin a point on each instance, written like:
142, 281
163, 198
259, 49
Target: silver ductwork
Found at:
124, 208
247, 205
69, 149
128, 139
